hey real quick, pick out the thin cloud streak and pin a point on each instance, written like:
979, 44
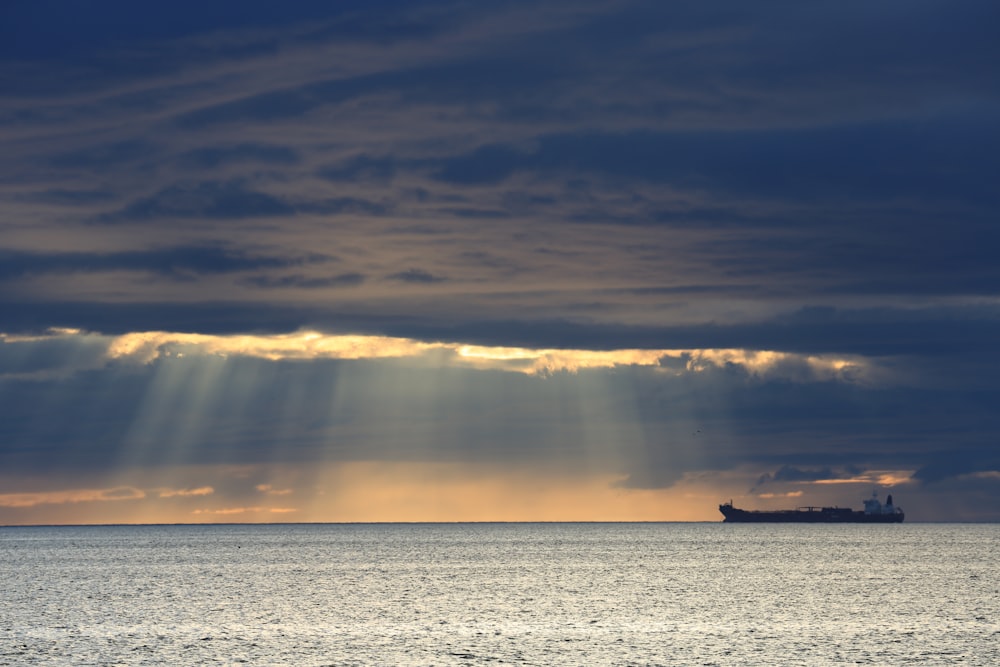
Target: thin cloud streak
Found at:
186, 493
116, 494
147, 347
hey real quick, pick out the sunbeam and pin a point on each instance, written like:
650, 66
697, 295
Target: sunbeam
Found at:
473, 430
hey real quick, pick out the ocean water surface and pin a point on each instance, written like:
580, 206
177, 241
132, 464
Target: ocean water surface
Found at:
486, 594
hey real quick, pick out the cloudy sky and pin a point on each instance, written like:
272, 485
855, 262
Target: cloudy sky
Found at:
610, 260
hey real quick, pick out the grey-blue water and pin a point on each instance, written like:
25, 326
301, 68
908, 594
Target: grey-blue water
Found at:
533, 594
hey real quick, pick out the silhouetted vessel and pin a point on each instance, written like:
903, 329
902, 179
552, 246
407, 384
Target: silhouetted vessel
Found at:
874, 512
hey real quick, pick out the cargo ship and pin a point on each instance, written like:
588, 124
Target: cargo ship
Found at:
874, 512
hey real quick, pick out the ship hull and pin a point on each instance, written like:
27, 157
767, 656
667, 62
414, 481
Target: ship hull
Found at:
807, 515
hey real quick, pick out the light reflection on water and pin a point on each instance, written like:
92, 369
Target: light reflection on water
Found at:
485, 593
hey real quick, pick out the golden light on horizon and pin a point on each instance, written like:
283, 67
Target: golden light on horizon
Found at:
403, 492
418, 492
370, 491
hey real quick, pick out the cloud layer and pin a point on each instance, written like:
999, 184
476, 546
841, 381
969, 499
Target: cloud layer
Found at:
596, 225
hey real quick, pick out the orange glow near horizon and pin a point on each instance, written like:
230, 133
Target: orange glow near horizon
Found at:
375, 492
415, 492
408, 492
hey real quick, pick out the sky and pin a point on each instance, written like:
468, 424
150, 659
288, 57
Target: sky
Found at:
508, 261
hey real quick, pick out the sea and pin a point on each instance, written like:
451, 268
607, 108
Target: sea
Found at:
501, 594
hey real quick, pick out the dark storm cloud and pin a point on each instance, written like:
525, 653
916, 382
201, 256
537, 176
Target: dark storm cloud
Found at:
851, 36
172, 262
808, 431
63, 197
56, 29
212, 157
174, 38
487, 164
307, 282
293, 102
882, 161
416, 276
231, 200
119, 318
474, 213
209, 199
787, 473
463, 82
361, 168
865, 253
956, 462
106, 157
341, 205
